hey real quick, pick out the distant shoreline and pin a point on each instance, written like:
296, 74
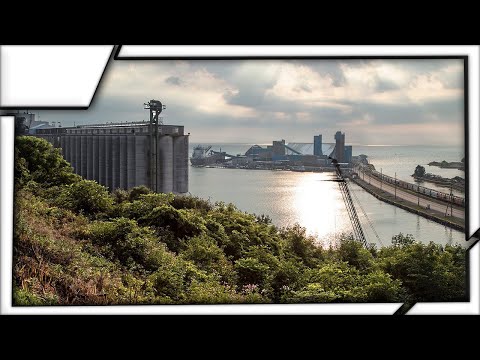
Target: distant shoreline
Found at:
448, 165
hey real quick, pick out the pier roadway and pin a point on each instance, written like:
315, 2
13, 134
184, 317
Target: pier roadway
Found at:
413, 198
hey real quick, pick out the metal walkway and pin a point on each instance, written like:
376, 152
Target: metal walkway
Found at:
352, 213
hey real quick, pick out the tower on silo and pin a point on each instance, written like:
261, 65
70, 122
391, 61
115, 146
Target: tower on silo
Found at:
317, 145
340, 146
278, 148
348, 154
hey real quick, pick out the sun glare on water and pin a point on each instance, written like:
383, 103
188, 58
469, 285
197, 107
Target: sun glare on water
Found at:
320, 207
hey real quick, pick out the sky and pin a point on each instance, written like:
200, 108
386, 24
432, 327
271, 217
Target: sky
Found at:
375, 102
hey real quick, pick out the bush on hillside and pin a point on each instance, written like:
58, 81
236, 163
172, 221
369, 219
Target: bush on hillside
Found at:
86, 197
39, 161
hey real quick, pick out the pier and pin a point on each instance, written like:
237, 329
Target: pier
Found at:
438, 210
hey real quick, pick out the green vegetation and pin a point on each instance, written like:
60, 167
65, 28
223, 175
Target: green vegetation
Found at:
419, 171
76, 243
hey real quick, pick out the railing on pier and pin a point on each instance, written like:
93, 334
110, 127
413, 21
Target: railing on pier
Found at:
458, 200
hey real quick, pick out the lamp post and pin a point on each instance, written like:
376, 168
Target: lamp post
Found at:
381, 178
451, 199
395, 185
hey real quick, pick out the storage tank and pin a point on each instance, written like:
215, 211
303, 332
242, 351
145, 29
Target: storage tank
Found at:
131, 164
123, 181
141, 160
180, 168
165, 164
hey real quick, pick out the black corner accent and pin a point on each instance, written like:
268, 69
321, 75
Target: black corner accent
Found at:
402, 310
119, 47
112, 55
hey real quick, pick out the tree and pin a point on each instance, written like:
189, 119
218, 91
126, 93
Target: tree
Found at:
42, 162
419, 171
86, 196
20, 127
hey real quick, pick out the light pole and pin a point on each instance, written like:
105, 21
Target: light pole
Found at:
381, 178
395, 185
451, 199
418, 195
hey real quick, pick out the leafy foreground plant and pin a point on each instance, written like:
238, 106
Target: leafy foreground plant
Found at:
75, 243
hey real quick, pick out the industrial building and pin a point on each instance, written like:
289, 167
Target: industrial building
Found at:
120, 155
125, 155
317, 145
348, 153
316, 157
340, 146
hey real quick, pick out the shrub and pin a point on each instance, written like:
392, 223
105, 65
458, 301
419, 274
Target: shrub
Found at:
144, 205
134, 246
87, 197
206, 255
251, 272
173, 278
403, 240
287, 277
39, 161
136, 192
191, 202
211, 292
353, 252
300, 246
427, 272
180, 223
120, 196
203, 251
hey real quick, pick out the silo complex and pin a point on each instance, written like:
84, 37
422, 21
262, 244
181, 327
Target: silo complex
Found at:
126, 155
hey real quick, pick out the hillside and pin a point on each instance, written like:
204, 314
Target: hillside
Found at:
77, 244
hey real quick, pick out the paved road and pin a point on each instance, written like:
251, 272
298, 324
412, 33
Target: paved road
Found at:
410, 197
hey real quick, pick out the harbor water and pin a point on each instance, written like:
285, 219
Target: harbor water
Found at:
314, 202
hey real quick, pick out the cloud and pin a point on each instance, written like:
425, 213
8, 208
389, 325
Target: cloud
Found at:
260, 100
174, 80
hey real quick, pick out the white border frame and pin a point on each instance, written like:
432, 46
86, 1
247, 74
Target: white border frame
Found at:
6, 148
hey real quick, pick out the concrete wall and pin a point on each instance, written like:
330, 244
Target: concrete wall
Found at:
180, 166
165, 164
121, 160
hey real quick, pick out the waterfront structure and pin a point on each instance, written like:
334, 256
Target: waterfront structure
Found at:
259, 153
30, 125
348, 153
125, 155
340, 146
278, 148
317, 145
316, 156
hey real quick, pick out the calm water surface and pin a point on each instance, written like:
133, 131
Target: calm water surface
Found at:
315, 203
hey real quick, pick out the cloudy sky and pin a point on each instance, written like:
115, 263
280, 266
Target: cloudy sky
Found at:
394, 102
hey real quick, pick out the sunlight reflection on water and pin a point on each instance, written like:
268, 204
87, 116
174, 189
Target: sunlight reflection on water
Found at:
315, 203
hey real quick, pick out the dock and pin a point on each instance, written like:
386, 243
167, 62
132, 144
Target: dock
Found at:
419, 204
